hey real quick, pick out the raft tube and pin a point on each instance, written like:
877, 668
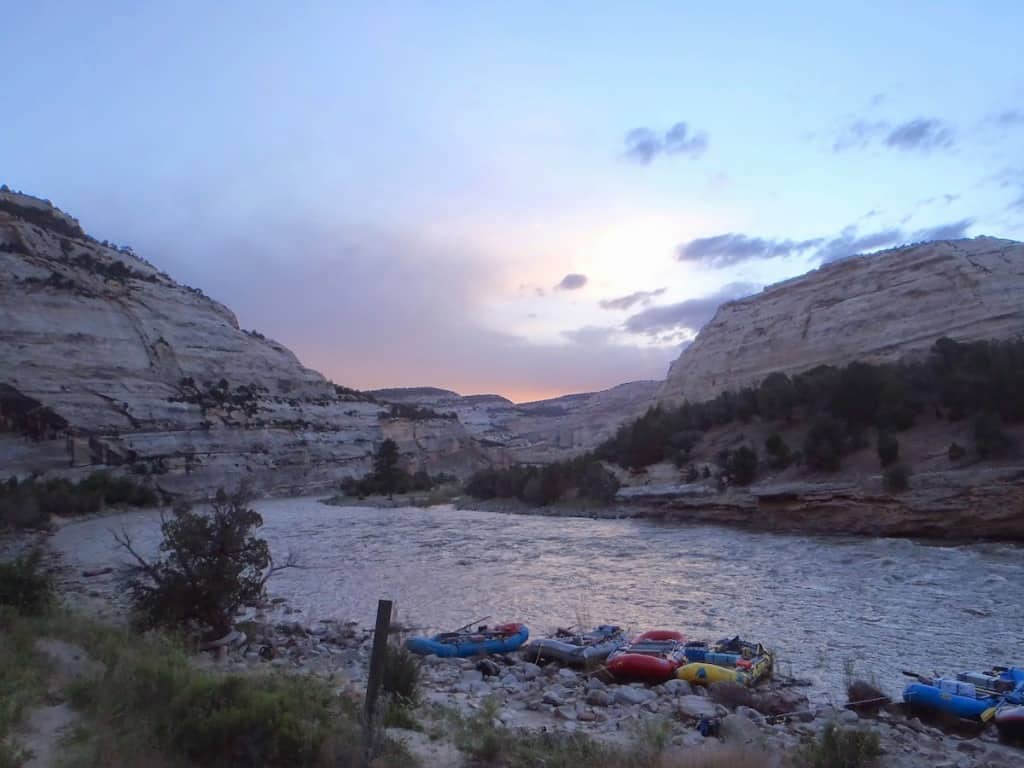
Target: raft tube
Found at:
701, 673
504, 638
652, 657
722, 663
1010, 722
964, 698
577, 649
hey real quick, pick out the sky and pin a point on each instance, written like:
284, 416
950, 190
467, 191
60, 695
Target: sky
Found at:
522, 198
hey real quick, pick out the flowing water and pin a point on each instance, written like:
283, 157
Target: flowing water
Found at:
824, 603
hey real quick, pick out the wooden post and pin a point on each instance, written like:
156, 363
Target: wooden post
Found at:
377, 656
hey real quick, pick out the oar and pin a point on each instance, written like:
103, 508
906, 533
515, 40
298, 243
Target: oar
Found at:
470, 624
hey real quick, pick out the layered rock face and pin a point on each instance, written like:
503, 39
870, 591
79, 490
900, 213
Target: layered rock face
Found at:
537, 432
875, 308
104, 360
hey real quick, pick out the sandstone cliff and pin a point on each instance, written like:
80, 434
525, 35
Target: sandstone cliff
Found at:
537, 432
874, 308
105, 360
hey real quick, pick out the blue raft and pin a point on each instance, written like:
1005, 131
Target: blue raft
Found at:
970, 695
480, 642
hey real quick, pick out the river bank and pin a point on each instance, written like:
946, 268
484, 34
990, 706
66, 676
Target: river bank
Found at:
519, 701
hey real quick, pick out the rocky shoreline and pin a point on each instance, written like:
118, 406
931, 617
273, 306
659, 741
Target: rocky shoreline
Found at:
773, 720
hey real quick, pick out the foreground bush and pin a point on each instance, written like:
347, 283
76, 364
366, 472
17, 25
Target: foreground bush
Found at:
212, 564
841, 748
24, 585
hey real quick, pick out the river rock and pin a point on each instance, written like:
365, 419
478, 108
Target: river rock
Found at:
738, 730
528, 670
628, 695
598, 698
675, 687
554, 697
695, 707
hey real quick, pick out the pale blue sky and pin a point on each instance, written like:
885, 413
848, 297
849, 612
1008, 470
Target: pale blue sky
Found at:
390, 189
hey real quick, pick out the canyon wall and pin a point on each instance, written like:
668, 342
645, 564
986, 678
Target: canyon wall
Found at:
874, 308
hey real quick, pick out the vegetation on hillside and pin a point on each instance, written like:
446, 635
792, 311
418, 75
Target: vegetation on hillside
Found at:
30, 503
585, 477
982, 380
388, 478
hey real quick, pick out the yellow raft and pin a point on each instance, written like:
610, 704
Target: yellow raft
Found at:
749, 667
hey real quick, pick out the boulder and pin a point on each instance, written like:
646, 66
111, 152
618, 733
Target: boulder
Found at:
695, 707
628, 695
738, 730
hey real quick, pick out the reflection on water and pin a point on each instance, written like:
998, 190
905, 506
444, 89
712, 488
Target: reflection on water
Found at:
882, 604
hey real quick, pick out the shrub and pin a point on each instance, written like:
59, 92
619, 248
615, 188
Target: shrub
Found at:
24, 585
212, 564
779, 455
896, 478
823, 446
956, 452
692, 475
741, 465
401, 674
841, 748
990, 440
151, 691
888, 448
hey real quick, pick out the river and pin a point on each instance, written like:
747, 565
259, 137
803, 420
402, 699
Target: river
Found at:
826, 604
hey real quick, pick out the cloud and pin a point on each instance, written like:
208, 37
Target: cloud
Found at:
571, 282
951, 231
625, 302
686, 316
1008, 118
645, 144
858, 134
732, 248
851, 243
922, 134
590, 335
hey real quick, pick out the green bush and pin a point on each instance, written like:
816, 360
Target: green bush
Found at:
888, 449
401, 674
841, 748
587, 477
24, 585
207, 719
212, 564
31, 503
740, 465
956, 452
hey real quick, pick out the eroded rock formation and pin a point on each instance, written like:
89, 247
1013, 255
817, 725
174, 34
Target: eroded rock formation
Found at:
874, 308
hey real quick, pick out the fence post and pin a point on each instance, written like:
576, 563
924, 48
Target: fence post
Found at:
373, 682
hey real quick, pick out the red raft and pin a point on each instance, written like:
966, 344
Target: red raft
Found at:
1010, 723
652, 657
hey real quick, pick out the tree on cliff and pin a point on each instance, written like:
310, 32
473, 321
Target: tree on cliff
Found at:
386, 473
211, 564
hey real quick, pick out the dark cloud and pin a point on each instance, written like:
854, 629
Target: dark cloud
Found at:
571, 282
858, 134
687, 316
924, 134
644, 144
851, 243
732, 248
625, 302
1008, 118
951, 231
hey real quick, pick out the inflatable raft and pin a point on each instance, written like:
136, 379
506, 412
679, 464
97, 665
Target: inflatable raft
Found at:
652, 657
577, 648
728, 661
971, 696
1010, 722
482, 641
